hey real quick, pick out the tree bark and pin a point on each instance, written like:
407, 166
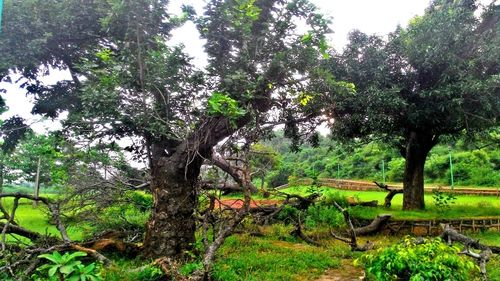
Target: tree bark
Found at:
175, 168
171, 228
417, 149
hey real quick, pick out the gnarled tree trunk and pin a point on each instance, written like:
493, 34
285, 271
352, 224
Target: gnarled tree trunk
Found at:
171, 228
174, 171
417, 148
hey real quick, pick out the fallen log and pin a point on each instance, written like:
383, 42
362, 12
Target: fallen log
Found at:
374, 226
373, 203
452, 235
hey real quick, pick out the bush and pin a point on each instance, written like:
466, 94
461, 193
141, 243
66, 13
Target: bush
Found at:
323, 215
410, 260
278, 177
336, 196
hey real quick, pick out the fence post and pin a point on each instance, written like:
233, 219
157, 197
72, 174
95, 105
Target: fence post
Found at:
451, 172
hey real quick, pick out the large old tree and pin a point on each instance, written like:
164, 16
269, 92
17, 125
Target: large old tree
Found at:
127, 82
439, 76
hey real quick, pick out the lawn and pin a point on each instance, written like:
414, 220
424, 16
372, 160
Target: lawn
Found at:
37, 219
465, 206
279, 256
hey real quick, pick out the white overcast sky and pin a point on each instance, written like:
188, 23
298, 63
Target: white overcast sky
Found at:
369, 16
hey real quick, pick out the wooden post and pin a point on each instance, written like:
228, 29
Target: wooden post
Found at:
37, 182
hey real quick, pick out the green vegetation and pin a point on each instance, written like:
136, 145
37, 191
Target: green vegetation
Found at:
66, 267
465, 205
415, 260
471, 166
252, 258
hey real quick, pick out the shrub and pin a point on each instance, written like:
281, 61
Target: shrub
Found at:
329, 198
442, 200
66, 267
412, 260
323, 215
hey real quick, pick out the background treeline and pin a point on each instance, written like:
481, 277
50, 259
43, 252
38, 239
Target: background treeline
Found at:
473, 165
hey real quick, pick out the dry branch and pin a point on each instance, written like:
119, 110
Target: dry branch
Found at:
451, 235
352, 232
374, 226
390, 195
31, 252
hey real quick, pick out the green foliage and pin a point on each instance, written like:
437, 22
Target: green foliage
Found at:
318, 215
442, 200
131, 214
224, 105
471, 166
66, 267
287, 213
416, 260
189, 268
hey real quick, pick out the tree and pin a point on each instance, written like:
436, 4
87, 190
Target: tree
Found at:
263, 159
135, 85
38, 156
437, 77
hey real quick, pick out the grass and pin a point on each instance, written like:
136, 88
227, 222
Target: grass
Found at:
277, 255
37, 219
465, 206
244, 257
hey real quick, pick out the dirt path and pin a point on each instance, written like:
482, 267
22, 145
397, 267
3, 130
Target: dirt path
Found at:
346, 272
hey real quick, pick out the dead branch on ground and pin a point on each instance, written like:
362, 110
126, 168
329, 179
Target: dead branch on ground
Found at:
352, 241
40, 243
452, 235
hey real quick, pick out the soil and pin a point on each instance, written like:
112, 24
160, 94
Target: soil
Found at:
346, 272
238, 203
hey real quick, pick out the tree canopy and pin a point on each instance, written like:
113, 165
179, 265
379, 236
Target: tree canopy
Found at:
439, 76
127, 81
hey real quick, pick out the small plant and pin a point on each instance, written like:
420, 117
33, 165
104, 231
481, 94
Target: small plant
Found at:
418, 259
66, 267
442, 200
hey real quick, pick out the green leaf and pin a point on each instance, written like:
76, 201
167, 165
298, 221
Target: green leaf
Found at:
67, 269
53, 270
55, 257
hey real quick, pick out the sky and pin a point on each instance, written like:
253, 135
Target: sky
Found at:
369, 16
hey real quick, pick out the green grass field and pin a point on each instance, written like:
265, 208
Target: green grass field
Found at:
465, 206
279, 256
37, 219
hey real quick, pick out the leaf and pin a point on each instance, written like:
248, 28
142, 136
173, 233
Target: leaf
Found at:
67, 269
75, 255
51, 258
53, 270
